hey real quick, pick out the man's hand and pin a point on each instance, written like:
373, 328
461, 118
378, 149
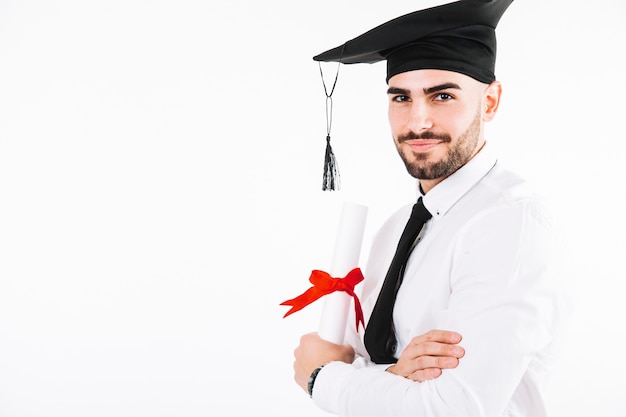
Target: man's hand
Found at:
426, 356
314, 352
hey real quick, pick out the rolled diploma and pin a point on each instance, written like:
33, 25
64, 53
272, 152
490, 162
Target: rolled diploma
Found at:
345, 258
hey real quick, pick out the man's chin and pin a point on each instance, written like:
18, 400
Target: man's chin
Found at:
423, 170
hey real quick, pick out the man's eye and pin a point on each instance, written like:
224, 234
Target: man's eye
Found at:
400, 98
443, 97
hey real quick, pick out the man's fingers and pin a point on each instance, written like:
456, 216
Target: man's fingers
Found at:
429, 367
441, 336
425, 374
440, 362
433, 365
427, 355
434, 349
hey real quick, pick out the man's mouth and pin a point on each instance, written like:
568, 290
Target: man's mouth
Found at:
422, 145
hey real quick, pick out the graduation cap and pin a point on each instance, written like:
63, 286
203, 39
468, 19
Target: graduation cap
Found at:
458, 36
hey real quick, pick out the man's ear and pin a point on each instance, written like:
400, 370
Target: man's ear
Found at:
491, 100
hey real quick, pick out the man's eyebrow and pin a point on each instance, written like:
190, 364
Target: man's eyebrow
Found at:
397, 90
441, 87
429, 90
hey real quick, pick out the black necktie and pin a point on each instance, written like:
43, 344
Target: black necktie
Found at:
380, 338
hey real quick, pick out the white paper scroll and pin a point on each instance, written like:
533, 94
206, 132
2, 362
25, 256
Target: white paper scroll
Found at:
345, 258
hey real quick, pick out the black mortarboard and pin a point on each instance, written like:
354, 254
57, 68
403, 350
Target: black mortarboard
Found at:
457, 36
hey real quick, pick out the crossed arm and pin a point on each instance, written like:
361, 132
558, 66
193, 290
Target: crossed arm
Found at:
425, 357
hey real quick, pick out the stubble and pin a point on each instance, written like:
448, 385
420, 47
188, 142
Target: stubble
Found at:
461, 151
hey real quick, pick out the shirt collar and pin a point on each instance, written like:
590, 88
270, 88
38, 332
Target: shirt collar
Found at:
443, 196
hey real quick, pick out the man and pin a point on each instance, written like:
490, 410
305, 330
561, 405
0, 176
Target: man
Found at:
468, 325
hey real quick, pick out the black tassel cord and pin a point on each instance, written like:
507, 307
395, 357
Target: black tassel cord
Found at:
331, 180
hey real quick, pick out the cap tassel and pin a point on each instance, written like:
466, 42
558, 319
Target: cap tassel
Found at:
331, 170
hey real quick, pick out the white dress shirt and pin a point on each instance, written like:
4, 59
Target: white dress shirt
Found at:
484, 268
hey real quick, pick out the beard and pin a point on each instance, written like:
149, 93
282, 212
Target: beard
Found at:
460, 152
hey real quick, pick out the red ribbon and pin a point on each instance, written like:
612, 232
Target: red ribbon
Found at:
323, 284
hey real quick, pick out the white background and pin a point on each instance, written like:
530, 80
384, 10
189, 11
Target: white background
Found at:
160, 193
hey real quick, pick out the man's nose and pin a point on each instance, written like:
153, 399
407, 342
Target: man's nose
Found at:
419, 118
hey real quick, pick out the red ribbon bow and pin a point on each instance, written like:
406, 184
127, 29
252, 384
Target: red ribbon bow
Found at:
323, 284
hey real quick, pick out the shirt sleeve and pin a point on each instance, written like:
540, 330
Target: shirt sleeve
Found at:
502, 302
